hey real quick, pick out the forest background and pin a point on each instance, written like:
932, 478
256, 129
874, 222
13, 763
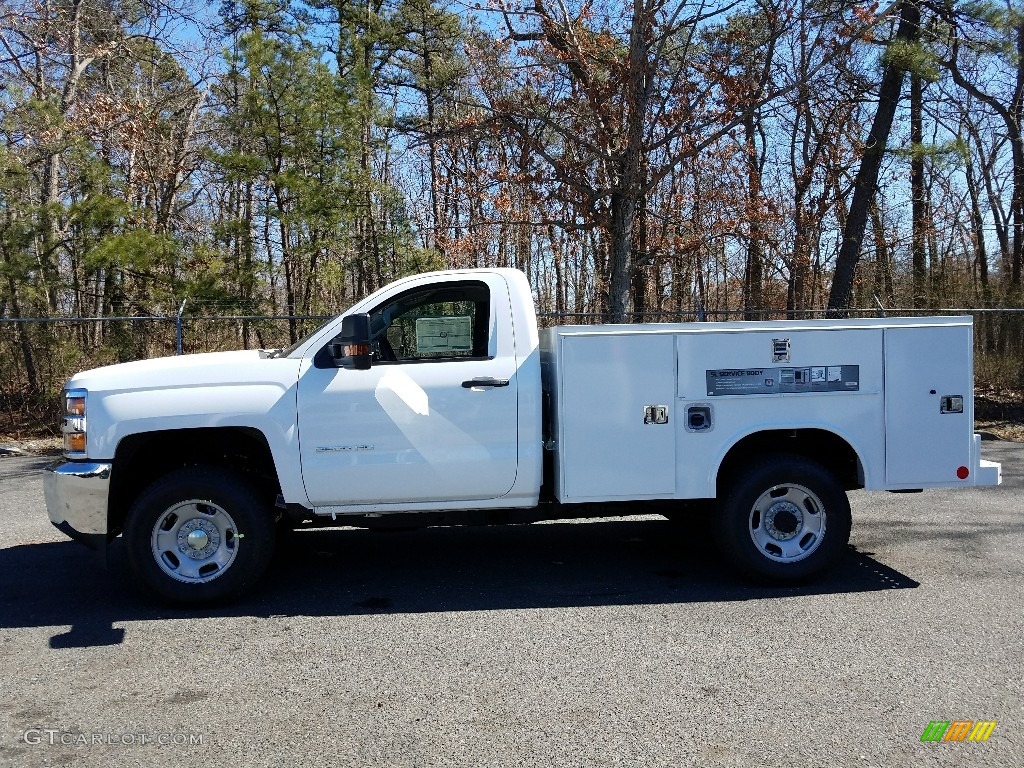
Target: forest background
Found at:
645, 160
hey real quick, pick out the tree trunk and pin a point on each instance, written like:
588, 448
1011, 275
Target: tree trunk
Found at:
429, 97
986, 335
623, 216
867, 176
27, 353
640, 276
1017, 143
753, 275
919, 215
883, 269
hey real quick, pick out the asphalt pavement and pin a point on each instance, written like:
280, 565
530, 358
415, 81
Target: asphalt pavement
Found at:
622, 642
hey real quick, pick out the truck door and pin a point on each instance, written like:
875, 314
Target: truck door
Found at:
435, 417
926, 438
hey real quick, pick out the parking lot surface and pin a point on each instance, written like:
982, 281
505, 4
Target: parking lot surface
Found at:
621, 642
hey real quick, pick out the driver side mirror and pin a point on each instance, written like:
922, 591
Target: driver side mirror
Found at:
351, 348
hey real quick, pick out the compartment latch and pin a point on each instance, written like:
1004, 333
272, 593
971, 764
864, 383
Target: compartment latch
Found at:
951, 404
655, 414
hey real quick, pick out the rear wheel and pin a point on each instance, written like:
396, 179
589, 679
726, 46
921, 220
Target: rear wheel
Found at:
200, 534
785, 518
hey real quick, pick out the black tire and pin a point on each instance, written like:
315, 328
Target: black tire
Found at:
785, 519
199, 535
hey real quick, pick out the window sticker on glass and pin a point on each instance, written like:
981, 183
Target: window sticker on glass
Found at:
444, 335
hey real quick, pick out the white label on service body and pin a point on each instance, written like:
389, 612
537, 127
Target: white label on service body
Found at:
773, 381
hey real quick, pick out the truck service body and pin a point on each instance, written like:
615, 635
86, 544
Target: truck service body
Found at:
437, 400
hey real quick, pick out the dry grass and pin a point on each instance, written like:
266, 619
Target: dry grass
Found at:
999, 411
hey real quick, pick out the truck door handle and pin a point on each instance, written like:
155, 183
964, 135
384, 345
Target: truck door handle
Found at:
485, 381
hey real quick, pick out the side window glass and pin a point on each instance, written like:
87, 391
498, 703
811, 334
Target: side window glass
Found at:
450, 321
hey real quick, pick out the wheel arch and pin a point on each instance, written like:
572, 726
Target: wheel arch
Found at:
829, 449
141, 458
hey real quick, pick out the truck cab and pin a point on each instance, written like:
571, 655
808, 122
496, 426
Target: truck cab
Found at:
448, 412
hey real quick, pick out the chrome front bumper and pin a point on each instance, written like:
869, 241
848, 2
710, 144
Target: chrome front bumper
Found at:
76, 499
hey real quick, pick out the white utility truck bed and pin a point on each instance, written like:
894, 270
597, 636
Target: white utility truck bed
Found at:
649, 411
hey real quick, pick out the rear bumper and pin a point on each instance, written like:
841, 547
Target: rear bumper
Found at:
989, 473
76, 500
985, 472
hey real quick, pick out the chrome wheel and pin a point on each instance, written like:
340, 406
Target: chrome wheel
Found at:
787, 523
194, 541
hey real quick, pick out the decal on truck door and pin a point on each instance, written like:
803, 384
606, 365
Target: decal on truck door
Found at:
774, 381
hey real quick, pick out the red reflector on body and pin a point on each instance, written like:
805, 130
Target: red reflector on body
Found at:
963, 473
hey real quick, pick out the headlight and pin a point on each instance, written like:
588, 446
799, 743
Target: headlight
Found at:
73, 427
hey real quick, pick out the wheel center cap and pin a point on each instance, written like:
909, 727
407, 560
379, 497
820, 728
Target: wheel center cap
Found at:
198, 539
783, 521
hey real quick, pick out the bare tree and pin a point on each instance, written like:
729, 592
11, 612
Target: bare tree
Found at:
866, 182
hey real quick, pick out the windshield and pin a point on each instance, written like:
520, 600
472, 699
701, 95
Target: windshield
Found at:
290, 349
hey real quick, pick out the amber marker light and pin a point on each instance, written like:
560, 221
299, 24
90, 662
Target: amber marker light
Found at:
74, 403
74, 429
74, 442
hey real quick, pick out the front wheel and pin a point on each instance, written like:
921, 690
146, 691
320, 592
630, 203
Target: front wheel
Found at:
199, 534
785, 518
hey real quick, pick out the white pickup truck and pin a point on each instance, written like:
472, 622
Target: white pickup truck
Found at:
436, 401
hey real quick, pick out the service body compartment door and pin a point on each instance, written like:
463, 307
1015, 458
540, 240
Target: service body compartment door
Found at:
926, 371
611, 444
